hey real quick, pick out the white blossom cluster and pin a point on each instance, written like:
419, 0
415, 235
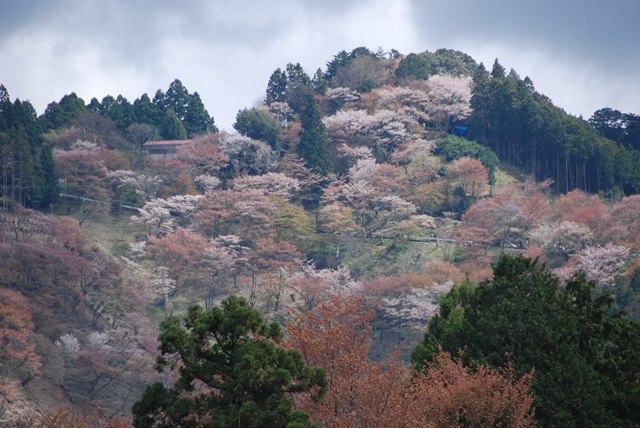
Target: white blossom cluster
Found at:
416, 307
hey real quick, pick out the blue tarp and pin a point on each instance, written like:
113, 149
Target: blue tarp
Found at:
460, 130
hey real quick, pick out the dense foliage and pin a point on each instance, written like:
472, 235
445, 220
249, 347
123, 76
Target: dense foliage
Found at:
187, 108
232, 372
586, 360
454, 147
313, 146
373, 184
336, 335
526, 130
26, 163
259, 125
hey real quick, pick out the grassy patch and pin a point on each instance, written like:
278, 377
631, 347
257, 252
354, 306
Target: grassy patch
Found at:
113, 234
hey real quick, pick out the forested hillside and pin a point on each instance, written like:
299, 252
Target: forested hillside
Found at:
349, 212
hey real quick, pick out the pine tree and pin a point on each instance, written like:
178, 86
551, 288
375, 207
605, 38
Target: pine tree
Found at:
232, 373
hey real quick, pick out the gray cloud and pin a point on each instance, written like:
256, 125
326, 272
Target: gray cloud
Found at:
582, 54
593, 31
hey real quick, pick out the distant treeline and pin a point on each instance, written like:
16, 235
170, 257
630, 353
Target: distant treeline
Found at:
526, 130
26, 161
176, 114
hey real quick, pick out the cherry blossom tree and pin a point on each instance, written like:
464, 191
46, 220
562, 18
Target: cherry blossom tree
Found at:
89, 416
340, 97
204, 154
381, 131
248, 213
247, 156
69, 346
16, 328
308, 284
180, 252
267, 263
271, 183
580, 207
161, 216
221, 260
501, 217
419, 152
337, 219
205, 182
450, 98
564, 237
363, 393
412, 101
471, 175
603, 263
311, 183
112, 355
417, 306
124, 186
448, 394
335, 336
82, 169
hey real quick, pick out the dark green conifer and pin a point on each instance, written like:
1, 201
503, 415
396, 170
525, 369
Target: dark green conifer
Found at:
313, 145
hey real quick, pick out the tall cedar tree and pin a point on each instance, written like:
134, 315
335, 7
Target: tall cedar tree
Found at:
172, 128
526, 130
587, 364
231, 372
313, 146
27, 176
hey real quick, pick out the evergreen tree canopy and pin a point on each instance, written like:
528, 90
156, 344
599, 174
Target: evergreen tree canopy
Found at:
453, 147
290, 86
59, 115
187, 108
27, 175
259, 125
232, 372
277, 87
313, 145
442, 61
587, 364
623, 128
343, 59
144, 111
415, 66
171, 127
526, 130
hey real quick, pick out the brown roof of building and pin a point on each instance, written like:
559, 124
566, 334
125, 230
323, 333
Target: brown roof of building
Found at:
166, 143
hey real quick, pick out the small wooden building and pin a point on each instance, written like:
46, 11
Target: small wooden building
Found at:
164, 149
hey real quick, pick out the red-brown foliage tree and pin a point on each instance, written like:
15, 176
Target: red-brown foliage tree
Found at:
579, 207
89, 416
16, 326
361, 393
180, 252
471, 175
449, 395
623, 222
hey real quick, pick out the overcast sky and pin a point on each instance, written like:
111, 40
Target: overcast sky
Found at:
583, 54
